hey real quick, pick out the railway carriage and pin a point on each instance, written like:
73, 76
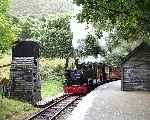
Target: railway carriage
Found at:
115, 74
86, 76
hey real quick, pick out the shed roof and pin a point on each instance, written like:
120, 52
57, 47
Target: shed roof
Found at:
141, 46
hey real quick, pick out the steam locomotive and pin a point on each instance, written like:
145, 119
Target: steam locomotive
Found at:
86, 76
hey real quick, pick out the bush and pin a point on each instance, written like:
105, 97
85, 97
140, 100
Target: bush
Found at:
52, 77
52, 69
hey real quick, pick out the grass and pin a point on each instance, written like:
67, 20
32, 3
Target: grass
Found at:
51, 72
52, 76
51, 88
13, 110
52, 64
5, 59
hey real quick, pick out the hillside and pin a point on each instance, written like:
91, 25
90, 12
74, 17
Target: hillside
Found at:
21, 8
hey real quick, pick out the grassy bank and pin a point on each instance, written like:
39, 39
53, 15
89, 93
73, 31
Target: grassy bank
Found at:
51, 73
13, 110
4, 60
51, 76
51, 88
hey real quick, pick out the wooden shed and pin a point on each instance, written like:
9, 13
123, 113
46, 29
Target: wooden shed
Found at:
136, 69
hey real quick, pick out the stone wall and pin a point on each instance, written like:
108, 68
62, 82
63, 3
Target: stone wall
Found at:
136, 70
25, 82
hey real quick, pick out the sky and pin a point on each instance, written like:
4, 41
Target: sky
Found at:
81, 30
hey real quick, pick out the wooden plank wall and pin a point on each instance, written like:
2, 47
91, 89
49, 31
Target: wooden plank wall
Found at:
136, 71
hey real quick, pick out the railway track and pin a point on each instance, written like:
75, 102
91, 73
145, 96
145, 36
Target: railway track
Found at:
52, 111
48, 103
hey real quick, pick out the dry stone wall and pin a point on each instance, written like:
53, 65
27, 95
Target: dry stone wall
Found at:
25, 82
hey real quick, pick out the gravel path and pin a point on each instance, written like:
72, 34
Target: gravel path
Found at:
108, 102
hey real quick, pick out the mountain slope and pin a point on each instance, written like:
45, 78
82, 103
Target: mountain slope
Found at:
20, 8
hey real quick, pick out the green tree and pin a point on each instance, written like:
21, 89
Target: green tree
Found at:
127, 22
7, 35
92, 47
4, 4
54, 36
130, 18
25, 28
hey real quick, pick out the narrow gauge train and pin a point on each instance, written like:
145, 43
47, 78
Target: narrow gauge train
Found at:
85, 77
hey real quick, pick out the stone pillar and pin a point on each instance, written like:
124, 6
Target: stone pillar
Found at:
25, 82
24, 72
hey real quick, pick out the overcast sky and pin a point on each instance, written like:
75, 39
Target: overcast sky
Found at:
80, 30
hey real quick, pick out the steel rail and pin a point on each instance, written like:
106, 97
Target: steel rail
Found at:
48, 103
52, 118
37, 114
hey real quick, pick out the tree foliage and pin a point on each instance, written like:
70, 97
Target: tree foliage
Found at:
25, 29
114, 59
129, 17
92, 47
54, 36
127, 21
4, 4
7, 28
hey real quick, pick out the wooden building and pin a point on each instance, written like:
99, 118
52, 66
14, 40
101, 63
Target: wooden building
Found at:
136, 69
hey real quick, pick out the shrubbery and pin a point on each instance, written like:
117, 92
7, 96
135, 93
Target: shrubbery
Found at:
51, 69
52, 76
7, 33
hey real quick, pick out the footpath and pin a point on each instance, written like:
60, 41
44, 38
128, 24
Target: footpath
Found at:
108, 102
